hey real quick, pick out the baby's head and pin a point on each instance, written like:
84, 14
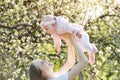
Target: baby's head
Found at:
48, 22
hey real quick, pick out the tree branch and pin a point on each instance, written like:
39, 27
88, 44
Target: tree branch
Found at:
103, 16
110, 15
16, 26
104, 63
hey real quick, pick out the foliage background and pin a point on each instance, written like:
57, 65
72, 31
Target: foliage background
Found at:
22, 40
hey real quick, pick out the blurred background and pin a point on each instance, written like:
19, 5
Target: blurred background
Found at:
22, 40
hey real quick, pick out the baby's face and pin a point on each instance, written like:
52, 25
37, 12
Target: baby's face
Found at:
50, 29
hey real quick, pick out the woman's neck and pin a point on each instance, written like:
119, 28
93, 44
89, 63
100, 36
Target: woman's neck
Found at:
51, 76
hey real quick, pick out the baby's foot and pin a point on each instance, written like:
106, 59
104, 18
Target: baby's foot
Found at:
92, 58
92, 55
58, 49
95, 50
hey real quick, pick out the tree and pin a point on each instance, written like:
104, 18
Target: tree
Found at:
22, 40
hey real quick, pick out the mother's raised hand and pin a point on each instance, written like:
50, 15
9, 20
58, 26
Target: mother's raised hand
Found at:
66, 35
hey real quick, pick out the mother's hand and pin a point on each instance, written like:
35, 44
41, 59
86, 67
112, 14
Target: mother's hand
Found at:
66, 35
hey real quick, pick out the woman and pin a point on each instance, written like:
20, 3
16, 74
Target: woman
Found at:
43, 70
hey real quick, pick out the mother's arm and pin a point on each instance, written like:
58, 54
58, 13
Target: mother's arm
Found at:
82, 59
70, 59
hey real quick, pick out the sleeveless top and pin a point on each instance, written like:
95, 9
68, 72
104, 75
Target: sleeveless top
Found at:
61, 77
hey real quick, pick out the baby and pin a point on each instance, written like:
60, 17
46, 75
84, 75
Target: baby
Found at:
56, 26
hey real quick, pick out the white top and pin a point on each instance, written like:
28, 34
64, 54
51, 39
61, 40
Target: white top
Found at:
61, 77
64, 26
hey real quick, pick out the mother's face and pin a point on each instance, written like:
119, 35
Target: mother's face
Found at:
46, 66
40, 69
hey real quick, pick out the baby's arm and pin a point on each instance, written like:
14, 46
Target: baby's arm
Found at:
57, 42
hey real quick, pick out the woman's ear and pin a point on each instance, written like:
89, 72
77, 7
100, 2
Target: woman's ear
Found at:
44, 74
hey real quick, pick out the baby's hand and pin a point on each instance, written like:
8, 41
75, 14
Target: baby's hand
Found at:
58, 49
79, 35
